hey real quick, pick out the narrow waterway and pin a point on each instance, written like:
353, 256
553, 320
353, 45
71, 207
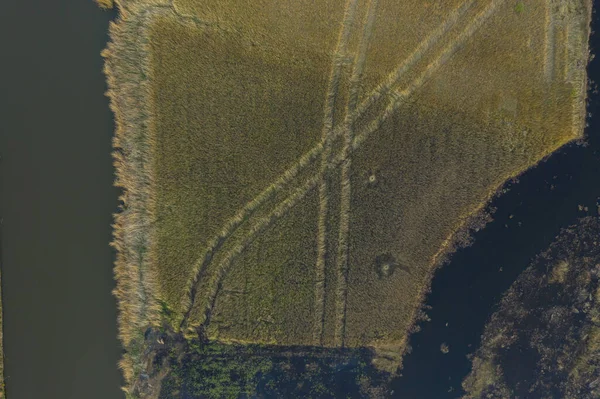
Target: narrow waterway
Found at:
465, 292
60, 334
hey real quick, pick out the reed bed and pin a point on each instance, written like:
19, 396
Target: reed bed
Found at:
294, 173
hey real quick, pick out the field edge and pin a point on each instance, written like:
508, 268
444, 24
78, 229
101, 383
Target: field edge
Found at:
126, 71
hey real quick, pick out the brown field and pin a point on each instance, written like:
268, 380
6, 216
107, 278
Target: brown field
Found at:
294, 171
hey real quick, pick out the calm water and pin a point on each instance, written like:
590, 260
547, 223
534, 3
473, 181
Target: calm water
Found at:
56, 202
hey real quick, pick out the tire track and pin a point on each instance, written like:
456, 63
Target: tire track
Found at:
328, 137
310, 156
201, 265
344, 227
245, 213
257, 228
549, 41
433, 38
397, 97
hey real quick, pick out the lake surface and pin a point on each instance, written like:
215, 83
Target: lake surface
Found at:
57, 199
60, 334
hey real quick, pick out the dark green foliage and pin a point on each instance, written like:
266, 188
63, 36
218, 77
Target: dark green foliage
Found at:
520, 7
249, 371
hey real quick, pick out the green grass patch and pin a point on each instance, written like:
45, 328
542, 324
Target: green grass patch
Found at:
519, 7
235, 371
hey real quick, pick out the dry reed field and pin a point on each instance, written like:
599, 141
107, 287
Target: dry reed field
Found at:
294, 172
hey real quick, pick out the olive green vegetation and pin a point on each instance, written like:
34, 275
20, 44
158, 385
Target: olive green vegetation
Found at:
226, 159
549, 321
135, 288
520, 7
294, 172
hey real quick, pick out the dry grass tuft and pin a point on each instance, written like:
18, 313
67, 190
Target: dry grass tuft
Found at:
105, 4
136, 289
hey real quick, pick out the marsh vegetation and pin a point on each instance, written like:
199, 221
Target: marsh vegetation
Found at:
219, 370
294, 173
543, 341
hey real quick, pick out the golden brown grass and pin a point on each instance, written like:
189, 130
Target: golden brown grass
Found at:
294, 172
481, 117
329, 121
105, 4
345, 174
226, 159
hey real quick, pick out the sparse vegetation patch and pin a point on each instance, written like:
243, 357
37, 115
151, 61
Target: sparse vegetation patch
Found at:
544, 339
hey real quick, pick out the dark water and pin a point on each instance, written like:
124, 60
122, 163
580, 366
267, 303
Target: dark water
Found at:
56, 202
466, 291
